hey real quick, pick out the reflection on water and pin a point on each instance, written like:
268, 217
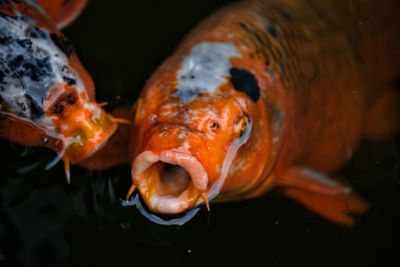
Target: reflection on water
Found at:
46, 222
178, 221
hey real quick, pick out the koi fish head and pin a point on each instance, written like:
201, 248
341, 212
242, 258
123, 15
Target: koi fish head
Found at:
43, 83
187, 153
190, 123
81, 124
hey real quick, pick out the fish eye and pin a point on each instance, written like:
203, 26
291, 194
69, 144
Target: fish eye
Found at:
213, 125
68, 99
57, 108
242, 127
71, 98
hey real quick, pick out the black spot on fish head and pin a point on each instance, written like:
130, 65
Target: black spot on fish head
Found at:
5, 40
245, 82
25, 43
69, 81
35, 33
16, 62
62, 43
38, 69
35, 108
271, 29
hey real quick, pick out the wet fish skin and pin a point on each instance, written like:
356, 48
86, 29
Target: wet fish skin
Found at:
307, 76
47, 98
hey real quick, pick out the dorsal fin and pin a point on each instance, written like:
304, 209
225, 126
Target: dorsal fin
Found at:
63, 12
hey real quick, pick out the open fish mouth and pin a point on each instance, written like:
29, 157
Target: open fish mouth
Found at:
170, 182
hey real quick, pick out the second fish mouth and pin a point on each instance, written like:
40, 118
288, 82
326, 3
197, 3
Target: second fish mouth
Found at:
170, 182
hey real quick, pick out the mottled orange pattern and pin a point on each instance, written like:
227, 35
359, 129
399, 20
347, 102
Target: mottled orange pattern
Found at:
323, 70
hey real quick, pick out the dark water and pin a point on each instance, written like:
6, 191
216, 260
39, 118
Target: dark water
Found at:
45, 222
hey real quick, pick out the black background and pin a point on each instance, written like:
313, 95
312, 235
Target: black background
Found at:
45, 222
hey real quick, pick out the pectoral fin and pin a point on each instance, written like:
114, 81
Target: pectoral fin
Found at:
329, 198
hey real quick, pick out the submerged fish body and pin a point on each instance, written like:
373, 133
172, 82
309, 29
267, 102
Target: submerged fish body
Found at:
262, 95
47, 98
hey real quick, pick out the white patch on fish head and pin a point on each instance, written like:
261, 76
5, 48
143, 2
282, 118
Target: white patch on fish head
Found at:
30, 65
204, 69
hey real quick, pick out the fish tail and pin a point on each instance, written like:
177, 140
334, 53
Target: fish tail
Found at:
383, 118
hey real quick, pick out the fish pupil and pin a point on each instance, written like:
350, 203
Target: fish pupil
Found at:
58, 108
214, 125
71, 99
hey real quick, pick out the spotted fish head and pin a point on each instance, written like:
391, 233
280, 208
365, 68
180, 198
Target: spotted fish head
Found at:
43, 82
80, 123
190, 122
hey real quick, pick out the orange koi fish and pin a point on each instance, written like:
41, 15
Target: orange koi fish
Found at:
47, 98
268, 94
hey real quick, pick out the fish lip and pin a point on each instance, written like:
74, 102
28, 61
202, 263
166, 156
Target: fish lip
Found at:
171, 204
